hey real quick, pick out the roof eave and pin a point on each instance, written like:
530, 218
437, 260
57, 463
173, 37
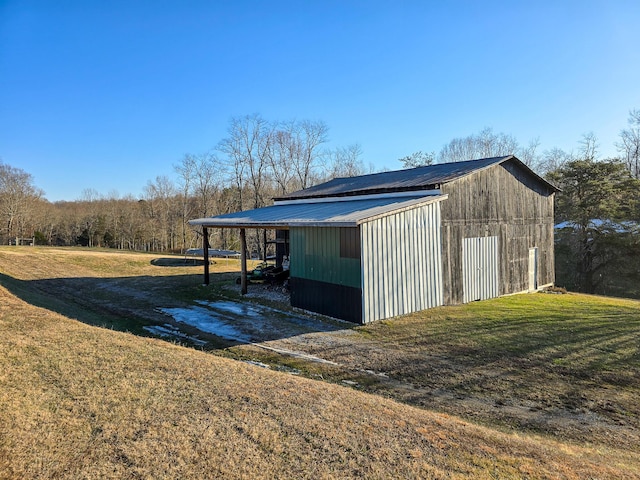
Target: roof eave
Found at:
213, 223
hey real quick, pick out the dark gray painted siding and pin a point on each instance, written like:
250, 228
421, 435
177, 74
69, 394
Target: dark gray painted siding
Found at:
337, 301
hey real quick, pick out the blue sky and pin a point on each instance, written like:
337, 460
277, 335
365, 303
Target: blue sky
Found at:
107, 95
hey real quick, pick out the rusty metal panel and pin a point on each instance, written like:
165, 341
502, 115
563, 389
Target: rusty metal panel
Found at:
401, 263
480, 268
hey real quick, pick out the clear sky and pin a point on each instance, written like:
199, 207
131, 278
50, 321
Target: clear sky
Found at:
107, 95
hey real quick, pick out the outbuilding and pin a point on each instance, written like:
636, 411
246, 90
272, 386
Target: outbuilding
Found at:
376, 246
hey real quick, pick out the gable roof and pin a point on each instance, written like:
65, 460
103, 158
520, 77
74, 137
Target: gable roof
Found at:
335, 212
419, 178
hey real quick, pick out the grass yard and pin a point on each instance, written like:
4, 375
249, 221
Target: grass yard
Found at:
566, 365
529, 386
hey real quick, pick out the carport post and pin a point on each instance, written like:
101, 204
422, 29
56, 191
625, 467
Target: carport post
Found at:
205, 252
243, 261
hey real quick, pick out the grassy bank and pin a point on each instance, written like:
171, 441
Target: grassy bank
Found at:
529, 386
79, 401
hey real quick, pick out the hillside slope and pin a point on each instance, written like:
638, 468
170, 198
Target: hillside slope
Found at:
78, 401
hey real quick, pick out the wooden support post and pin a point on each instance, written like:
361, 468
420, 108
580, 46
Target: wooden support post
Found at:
264, 239
205, 252
243, 261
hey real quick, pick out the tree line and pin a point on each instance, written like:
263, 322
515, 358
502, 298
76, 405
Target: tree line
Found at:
597, 210
257, 160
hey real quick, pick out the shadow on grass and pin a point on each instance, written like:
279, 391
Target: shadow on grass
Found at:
178, 262
177, 308
188, 261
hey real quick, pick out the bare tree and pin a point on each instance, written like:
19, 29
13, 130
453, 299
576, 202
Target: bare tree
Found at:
209, 176
159, 201
552, 160
346, 162
528, 154
311, 135
17, 197
247, 149
629, 144
282, 154
186, 172
417, 159
46, 222
588, 147
487, 144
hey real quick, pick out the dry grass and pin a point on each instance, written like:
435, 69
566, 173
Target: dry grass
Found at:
106, 288
78, 401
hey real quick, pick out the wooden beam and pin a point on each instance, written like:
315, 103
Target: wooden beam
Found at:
205, 251
243, 261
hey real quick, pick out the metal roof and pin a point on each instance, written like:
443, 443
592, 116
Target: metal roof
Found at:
337, 213
419, 178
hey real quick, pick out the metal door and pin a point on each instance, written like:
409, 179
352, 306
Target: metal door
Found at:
479, 268
533, 269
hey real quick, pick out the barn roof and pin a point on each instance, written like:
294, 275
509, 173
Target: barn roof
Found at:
419, 178
334, 212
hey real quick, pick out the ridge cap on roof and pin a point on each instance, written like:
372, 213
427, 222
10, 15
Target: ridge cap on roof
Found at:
426, 177
501, 158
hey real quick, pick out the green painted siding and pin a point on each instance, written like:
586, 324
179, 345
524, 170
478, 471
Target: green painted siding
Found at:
315, 255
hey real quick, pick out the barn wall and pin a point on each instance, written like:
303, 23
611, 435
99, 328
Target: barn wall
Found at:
506, 202
401, 263
325, 271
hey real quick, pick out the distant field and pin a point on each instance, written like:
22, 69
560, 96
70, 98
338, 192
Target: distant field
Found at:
548, 384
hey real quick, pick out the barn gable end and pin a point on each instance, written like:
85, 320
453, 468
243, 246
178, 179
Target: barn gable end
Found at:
506, 202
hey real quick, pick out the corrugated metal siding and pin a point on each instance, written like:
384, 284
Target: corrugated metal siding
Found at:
401, 263
323, 277
480, 268
315, 255
337, 301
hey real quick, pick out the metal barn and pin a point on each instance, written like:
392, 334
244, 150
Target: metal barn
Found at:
377, 246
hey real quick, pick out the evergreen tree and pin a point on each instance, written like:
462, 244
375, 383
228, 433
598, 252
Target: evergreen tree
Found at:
598, 209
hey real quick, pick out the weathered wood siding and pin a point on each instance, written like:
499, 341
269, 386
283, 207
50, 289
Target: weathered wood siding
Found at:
506, 202
401, 263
